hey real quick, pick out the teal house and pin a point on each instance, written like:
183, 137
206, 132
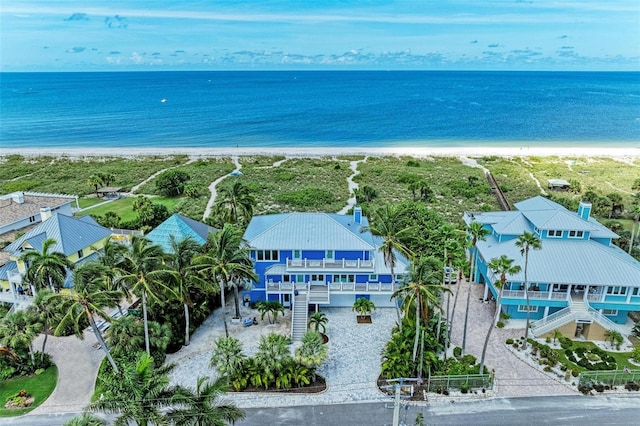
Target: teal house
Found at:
180, 227
580, 283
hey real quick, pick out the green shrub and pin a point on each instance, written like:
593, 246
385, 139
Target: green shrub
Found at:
509, 341
635, 354
575, 372
457, 352
500, 324
565, 343
309, 198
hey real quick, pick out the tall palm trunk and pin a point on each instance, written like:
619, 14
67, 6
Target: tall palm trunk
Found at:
224, 307
415, 344
236, 299
466, 312
145, 322
395, 302
103, 345
526, 293
44, 342
186, 325
493, 324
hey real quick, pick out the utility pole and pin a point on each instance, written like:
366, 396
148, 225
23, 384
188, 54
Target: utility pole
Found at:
396, 406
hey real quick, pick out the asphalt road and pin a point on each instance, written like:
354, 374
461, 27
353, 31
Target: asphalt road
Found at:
558, 410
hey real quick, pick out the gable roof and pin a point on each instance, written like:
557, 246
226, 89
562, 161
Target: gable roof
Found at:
70, 233
308, 231
180, 227
557, 219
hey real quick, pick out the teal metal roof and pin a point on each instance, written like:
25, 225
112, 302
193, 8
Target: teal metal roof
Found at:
180, 227
70, 233
512, 224
558, 219
4, 269
537, 203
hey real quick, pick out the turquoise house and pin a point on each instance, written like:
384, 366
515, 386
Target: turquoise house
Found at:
580, 283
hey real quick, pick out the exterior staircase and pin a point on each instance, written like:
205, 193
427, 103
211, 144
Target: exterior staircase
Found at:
577, 310
299, 316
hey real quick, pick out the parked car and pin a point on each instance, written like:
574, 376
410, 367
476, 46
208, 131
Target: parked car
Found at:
450, 276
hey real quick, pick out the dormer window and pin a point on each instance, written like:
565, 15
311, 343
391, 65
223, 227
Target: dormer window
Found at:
576, 234
554, 233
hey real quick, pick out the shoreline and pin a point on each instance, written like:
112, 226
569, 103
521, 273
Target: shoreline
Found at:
315, 152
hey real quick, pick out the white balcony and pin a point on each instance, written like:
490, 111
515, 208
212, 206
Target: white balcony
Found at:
294, 265
370, 287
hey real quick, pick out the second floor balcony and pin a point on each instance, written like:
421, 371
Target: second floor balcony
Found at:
294, 265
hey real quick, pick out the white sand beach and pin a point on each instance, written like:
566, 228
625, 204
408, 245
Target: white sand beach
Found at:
306, 152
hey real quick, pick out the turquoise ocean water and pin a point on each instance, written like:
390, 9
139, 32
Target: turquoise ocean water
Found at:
318, 109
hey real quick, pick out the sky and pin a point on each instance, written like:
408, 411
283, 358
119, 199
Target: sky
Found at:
71, 35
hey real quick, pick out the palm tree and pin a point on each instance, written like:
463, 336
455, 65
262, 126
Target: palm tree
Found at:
234, 205
46, 314
312, 352
477, 233
204, 406
455, 256
88, 298
86, 419
385, 223
318, 321
225, 263
111, 256
125, 336
180, 261
146, 275
271, 307
17, 332
504, 266
363, 306
46, 268
422, 290
227, 357
139, 395
526, 242
95, 181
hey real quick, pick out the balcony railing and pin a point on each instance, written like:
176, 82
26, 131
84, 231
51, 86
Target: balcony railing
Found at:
14, 276
545, 295
358, 264
278, 286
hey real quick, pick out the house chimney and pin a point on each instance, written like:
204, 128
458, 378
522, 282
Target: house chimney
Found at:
18, 197
45, 213
584, 210
357, 214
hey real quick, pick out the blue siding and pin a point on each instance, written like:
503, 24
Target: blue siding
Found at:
348, 255
313, 254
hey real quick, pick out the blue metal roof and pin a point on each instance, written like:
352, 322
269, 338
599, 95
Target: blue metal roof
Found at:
309, 231
180, 227
4, 269
70, 233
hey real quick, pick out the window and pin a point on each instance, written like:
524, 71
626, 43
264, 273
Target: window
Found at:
267, 255
523, 308
286, 278
617, 290
373, 277
329, 254
297, 254
554, 233
576, 234
300, 278
344, 278
609, 312
32, 219
635, 291
80, 254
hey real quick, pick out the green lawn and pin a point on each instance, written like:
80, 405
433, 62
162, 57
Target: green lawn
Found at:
85, 202
40, 387
124, 207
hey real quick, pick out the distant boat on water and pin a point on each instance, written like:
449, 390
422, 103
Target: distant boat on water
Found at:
163, 100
